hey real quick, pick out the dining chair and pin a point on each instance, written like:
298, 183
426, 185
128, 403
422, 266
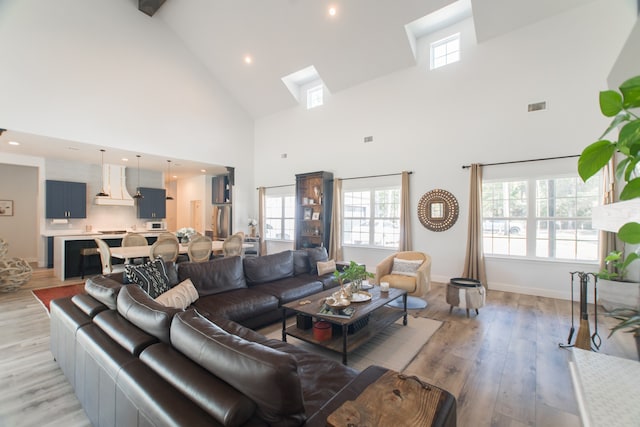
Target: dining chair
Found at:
232, 245
134, 239
105, 258
167, 249
199, 249
167, 235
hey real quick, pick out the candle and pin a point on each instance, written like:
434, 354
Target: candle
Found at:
384, 286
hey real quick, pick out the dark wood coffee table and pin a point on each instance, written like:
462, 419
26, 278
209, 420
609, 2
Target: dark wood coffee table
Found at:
380, 316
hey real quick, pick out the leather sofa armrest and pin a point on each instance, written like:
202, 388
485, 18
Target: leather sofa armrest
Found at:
89, 305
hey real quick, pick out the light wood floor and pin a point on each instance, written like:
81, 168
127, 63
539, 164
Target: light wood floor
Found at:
504, 366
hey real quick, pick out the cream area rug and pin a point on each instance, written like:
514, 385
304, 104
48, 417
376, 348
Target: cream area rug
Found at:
394, 347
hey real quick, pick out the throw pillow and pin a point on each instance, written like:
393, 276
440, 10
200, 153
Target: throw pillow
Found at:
152, 277
315, 255
326, 267
180, 296
406, 267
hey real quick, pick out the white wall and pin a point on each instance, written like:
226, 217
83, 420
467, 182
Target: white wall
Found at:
102, 72
433, 122
17, 183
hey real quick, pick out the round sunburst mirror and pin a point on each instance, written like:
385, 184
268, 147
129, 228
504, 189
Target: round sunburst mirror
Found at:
438, 210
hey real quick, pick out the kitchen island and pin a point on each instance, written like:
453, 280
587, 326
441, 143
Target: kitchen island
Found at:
66, 250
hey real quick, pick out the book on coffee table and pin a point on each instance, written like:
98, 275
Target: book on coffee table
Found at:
344, 313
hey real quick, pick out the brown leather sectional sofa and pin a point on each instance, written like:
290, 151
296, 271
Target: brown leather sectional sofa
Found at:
134, 362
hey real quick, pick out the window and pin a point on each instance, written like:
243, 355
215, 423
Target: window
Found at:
540, 217
314, 97
371, 217
445, 51
280, 217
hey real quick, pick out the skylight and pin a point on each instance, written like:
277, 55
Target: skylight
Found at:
445, 51
314, 97
306, 86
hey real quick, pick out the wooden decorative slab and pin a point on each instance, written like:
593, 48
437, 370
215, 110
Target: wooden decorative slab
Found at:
393, 400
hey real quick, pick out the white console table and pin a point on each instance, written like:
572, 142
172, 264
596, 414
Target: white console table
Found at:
607, 389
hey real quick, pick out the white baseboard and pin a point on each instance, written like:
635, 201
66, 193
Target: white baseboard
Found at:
538, 292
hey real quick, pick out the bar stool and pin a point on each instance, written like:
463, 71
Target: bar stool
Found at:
85, 252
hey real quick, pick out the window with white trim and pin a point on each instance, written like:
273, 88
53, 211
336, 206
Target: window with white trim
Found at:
315, 97
280, 217
445, 51
541, 217
371, 217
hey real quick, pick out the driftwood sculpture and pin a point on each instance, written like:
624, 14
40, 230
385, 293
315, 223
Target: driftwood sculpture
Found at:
14, 272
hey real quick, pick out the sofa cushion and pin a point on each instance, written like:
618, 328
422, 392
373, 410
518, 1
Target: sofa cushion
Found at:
320, 377
215, 276
152, 276
268, 268
139, 308
104, 290
227, 405
269, 377
237, 305
315, 255
291, 288
180, 296
126, 334
300, 262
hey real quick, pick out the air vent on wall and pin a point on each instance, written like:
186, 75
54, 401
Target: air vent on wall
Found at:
537, 106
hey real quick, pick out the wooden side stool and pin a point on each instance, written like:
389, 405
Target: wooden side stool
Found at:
465, 293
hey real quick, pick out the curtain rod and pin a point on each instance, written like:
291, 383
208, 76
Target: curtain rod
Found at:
277, 186
374, 176
523, 161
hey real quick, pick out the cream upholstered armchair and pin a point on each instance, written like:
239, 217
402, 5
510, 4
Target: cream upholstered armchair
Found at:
407, 270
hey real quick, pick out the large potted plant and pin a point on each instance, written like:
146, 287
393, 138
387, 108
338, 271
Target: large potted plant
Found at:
622, 105
614, 288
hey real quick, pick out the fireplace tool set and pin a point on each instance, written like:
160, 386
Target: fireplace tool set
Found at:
584, 339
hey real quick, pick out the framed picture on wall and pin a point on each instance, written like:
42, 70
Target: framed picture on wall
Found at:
6, 207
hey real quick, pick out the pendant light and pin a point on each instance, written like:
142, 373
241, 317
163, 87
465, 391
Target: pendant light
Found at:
138, 193
169, 180
102, 193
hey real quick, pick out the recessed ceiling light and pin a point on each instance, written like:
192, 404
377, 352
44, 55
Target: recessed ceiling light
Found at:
14, 143
124, 159
202, 170
332, 11
248, 59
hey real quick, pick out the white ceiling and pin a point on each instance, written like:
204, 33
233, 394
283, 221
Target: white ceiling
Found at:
366, 39
53, 148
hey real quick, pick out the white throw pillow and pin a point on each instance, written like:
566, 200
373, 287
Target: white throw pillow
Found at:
326, 267
180, 296
406, 267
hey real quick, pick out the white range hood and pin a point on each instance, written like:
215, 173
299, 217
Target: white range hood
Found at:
114, 180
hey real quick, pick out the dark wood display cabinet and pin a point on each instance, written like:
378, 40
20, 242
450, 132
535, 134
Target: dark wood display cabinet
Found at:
314, 194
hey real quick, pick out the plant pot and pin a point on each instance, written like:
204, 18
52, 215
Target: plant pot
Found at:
613, 294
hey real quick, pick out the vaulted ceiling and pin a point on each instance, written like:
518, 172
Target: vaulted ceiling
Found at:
365, 39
